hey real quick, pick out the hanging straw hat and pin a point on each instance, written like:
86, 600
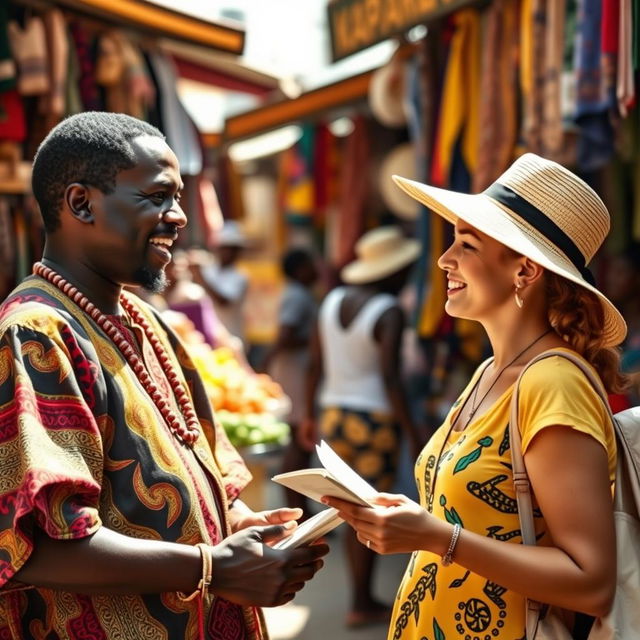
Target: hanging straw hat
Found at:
381, 253
386, 94
541, 210
403, 161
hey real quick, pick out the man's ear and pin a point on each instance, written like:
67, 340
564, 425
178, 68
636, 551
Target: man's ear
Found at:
78, 201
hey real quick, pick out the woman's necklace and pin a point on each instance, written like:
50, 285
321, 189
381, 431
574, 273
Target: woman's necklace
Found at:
475, 408
187, 431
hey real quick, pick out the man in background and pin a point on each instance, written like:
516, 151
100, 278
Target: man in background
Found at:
287, 359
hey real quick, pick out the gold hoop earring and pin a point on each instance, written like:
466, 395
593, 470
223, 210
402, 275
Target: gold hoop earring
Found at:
519, 300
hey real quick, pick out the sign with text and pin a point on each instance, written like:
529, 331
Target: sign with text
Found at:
358, 24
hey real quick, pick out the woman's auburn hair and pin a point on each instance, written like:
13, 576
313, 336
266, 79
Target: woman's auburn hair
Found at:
577, 316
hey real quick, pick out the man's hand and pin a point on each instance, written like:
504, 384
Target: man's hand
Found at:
247, 571
242, 519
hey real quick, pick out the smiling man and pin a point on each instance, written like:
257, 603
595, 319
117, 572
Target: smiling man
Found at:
119, 510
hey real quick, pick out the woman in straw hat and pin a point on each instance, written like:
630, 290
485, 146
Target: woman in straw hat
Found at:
356, 349
517, 265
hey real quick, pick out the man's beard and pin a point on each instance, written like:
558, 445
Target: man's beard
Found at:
152, 281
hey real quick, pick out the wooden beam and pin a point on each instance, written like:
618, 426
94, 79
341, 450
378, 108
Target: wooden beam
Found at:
280, 113
211, 140
161, 21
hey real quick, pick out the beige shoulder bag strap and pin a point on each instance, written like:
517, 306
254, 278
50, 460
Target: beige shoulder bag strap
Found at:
520, 478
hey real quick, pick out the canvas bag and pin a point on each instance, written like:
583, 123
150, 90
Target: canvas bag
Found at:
623, 621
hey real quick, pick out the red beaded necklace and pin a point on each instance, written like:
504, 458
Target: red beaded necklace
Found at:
188, 431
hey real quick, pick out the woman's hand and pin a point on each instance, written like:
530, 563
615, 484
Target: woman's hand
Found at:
396, 525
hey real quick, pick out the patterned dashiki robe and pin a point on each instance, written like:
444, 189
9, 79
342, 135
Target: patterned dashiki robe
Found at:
82, 446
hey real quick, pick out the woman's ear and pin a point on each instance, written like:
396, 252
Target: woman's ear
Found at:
78, 202
529, 273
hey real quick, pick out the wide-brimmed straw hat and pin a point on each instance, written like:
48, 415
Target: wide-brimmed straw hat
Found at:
541, 210
380, 253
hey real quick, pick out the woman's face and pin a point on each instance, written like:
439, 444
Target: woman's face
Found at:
481, 274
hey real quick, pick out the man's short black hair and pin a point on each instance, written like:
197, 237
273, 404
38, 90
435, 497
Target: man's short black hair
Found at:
293, 260
90, 148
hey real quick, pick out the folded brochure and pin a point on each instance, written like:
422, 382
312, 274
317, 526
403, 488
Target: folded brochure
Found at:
335, 478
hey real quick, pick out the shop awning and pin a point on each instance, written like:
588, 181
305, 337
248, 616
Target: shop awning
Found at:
160, 21
309, 104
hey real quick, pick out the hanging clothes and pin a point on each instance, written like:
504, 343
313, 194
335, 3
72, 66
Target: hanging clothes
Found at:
594, 102
89, 94
423, 96
29, 50
499, 93
52, 104
326, 162
72, 98
459, 107
353, 196
552, 126
110, 71
299, 192
181, 133
140, 90
532, 69
625, 84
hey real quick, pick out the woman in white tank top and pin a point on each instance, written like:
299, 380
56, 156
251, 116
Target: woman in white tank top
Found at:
363, 409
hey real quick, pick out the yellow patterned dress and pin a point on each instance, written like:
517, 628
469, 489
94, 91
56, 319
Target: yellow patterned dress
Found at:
474, 488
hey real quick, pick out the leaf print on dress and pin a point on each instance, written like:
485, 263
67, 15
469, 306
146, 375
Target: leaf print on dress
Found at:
494, 532
505, 445
451, 515
458, 582
412, 606
465, 461
431, 463
490, 493
438, 633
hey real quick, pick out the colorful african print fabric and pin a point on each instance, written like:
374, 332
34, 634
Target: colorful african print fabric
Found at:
83, 446
473, 486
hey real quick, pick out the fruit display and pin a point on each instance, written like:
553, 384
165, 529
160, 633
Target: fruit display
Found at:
246, 429
248, 405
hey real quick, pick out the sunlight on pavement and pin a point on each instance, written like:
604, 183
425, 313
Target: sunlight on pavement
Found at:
286, 622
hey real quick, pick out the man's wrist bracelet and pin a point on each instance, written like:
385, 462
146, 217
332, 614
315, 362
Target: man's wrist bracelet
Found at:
447, 558
205, 579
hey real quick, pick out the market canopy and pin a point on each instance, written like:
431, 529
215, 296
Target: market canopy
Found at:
161, 21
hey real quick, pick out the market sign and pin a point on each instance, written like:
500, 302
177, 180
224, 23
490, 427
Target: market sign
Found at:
358, 24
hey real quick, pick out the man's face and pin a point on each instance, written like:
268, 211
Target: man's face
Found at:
136, 225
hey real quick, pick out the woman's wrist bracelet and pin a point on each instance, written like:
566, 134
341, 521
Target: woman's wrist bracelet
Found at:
205, 579
447, 558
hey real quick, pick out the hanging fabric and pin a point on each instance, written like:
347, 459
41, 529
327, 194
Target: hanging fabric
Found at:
181, 133
625, 85
499, 93
594, 102
299, 193
354, 189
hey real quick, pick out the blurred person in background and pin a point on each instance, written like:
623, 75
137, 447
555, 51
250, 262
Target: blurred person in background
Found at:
223, 281
287, 360
364, 412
